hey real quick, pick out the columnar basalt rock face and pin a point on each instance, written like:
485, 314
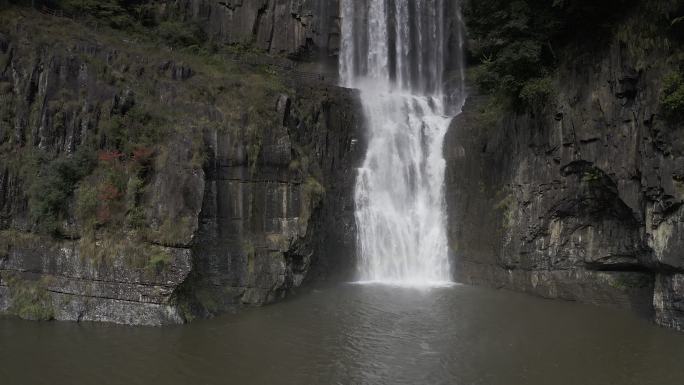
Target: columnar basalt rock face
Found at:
584, 197
236, 206
67, 277
265, 226
81, 289
291, 27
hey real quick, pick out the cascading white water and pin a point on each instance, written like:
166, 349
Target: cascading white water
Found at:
393, 51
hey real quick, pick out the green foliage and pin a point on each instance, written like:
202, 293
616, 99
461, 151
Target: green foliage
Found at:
655, 31
86, 206
144, 13
255, 142
110, 195
136, 218
314, 190
672, 97
159, 262
108, 245
136, 15
199, 156
11, 238
507, 207
517, 42
102, 185
628, 281
592, 175
113, 11
536, 92
50, 192
29, 299
490, 114
179, 34
511, 42
172, 232
138, 127
134, 189
313, 193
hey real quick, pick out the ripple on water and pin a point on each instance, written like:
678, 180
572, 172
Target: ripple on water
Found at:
359, 334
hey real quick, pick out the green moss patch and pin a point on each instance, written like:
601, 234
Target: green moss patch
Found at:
29, 299
672, 97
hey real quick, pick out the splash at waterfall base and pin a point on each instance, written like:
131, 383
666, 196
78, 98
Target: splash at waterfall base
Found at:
399, 190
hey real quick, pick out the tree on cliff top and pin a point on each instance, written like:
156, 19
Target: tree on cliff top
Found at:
518, 43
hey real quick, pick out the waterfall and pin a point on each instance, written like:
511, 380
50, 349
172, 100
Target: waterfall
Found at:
393, 51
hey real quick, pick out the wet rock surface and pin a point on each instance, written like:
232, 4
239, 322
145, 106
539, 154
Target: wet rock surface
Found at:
580, 200
267, 227
299, 28
236, 208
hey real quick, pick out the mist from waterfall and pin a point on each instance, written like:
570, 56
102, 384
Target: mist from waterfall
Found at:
393, 51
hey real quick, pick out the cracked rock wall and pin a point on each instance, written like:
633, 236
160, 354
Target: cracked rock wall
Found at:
248, 194
297, 28
585, 195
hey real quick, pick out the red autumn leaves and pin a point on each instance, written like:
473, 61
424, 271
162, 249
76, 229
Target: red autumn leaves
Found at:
118, 166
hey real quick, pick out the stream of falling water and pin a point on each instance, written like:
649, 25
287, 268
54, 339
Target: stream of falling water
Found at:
393, 51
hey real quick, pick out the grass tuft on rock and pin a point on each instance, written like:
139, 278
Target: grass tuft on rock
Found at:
29, 299
672, 97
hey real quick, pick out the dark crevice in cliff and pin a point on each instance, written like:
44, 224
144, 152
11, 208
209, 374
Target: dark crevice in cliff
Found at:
257, 22
617, 267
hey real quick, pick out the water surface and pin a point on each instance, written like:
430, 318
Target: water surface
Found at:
358, 334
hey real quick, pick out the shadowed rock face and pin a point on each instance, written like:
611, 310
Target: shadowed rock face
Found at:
266, 228
580, 200
291, 27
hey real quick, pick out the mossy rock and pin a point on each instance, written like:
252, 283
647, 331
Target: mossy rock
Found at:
29, 299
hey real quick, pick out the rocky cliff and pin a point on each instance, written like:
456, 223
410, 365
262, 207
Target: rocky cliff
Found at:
578, 198
267, 227
298, 28
142, 185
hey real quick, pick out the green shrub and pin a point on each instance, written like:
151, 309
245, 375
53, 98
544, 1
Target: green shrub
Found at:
172, 232
518, 42
313, 193
158, 262
627, 281
592, 175
672, 97
86, 206
179, 34
136, 218
138, 127
50, 192
507, 207
112, 11
538, 91
145, 13
29, 299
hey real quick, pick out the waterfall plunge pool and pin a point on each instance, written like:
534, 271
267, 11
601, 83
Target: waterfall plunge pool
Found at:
358, 334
